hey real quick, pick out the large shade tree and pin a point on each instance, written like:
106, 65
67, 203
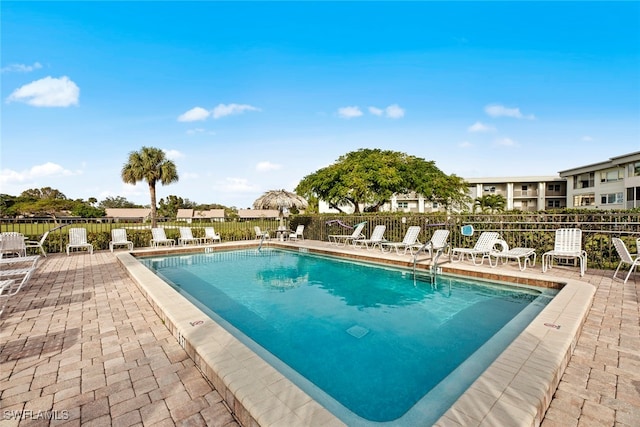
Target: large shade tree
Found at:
370, 177
151, 165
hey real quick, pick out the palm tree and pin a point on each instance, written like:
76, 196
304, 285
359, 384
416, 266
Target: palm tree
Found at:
150, 164
490, 203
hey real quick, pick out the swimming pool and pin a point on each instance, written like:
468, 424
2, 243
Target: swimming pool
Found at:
367, 342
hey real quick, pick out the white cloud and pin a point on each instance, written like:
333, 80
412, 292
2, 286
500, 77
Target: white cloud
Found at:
193, 115
465, 144
21, 68
223, 110
587, 138
234, 185
189, 175
45, 170
267, 166
173, 154
505, 142
394, 111
495, 110
480, 127
48, 92
376, 111
349, 112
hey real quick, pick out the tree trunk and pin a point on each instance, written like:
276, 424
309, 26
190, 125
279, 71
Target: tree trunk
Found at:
152, 190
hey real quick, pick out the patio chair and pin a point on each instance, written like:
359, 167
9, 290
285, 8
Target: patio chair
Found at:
260, 234
408, 243
78, 240
186, 237
7, 264
625, 257
524, 256
12, 243
210, 235
11, 286
119, 238
376, 239
294, 235
38, 244
345, 238
159, 238
437, 243
483, 247
568, 245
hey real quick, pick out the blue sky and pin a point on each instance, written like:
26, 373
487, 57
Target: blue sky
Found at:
246, 97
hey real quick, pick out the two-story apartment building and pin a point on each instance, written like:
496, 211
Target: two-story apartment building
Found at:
612, 184
528, 193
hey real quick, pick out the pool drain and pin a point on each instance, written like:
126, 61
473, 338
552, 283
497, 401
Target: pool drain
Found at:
357, 331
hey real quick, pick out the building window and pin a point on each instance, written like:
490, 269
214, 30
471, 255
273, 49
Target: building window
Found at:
585, 180
612, 175
611, 199
584, 200
403, 205
634, 169
553, 187
553, 203
491, 189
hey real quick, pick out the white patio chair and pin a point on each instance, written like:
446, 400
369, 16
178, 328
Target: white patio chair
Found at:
119, 238
210, 235
30, 261
482, 248
159, 238
260, 234
408, 243
437, 243
568, 245
38, 244
376, 239
294, 235
12, 243
78, 240
11, 286
344, 238
625, 257
186, 237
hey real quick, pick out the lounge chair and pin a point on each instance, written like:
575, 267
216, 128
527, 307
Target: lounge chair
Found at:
12, 243
625, 257
11, 286
78, 240
210, 235
568, 245
159, 238
482, 248
437, 243
260, 234
30, 261
345, 238
376, 239
186, 237
409, 242
524, 256
119, 238
294, 235
38, 244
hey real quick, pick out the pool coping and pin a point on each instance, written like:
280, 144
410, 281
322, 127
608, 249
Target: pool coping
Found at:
518, 385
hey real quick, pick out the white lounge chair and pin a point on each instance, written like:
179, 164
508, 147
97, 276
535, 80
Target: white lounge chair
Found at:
409, 242
11, 286
30, 261
12, 243
376, 239
260, 234
524, 256
38, 244
483, 247
625, 257
159, 238
568, 245
119, 238
345, 238
210, 235
186, 237
294, 235
437, 243
78, 240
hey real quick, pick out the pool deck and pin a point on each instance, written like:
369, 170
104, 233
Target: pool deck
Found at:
83, 344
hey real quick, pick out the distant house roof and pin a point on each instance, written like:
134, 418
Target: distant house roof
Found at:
128, 212
194, 214
259, 213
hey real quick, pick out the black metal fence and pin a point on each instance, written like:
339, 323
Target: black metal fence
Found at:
533, 230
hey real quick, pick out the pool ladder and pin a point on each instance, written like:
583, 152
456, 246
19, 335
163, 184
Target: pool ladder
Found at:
433, 270
261, 241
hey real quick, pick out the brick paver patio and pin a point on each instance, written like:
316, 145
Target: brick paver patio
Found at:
81, 344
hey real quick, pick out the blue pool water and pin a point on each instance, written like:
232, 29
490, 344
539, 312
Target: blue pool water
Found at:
369, 339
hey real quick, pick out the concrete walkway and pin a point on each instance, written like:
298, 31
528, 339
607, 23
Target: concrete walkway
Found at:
82, 345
